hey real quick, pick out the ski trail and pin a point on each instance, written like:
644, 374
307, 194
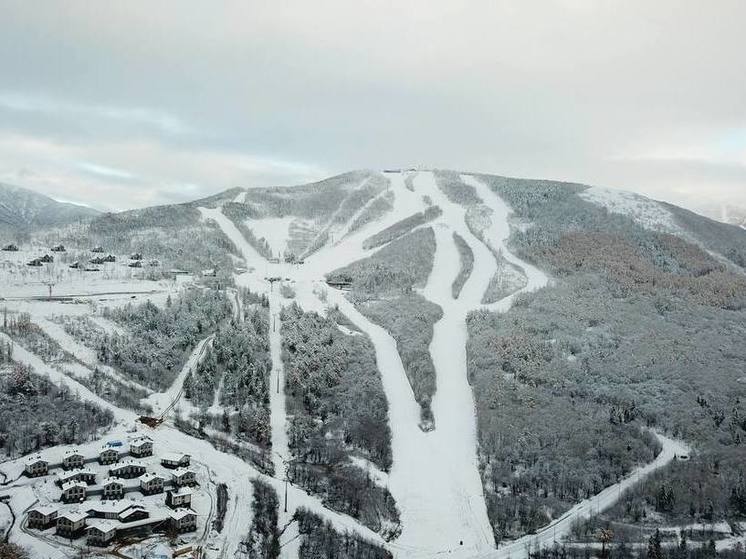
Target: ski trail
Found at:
240, 197
497, 235
425, 480
277, 411
249, 253
346, 229
161, 401
555, 531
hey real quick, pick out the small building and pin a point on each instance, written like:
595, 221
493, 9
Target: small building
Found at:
175, 460
142, 446
81, 474
209, 273
42, 517
150, 484
74, 492
108, 455
127, 469
75, 265
73, 459
35, 263
183, 476
136, 256
36, 466
109, 510
133, 514
135, 264
97, 249
101, 534
184, 520
10, 248
113, 488
177, 498
58, 248
70, 524
46, 259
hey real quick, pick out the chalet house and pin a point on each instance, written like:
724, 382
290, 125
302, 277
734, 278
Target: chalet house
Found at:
58, 248
150, 484
183, 476
42, 517
184, 520
10, 248
135, 264
141, 447
82, 474
108, 455
177, 498
46, 259
73, 459
97, 249
101, 534
36, 466
113, 488
109, 510
136, 256
127, 469
175, 460
71, 524
35, 263
74, 492
133, 514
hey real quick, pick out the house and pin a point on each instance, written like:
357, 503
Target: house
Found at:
10, 248
136, 256
175, 460
108, 455
97, 249
151, 484
127, 469
109, 510
36, 466
113, 488
140, 447
133, 514
74, 492
75, 265
58, 248
101, 534
210, 273
73, 459
46, 259
183, 476
81, 474
181, 497
135, 264
35, 263
71, 524
42, 517
184, 520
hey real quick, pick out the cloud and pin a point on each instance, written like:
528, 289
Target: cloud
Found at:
259, 93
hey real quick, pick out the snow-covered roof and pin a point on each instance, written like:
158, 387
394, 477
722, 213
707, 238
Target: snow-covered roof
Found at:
71, 484
107, 449
111, 480
181, 492
179, 472
116, 507
102, 525
174, 456
69, 474
44, 510
132, 510
73, 515
140, 441
126, 463
73, 452
178, 514
150, 476
35, 459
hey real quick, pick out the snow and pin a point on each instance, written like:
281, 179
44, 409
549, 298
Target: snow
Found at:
275, 230
644, 211
278, 415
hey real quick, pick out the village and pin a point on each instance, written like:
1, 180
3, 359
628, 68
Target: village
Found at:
122, 491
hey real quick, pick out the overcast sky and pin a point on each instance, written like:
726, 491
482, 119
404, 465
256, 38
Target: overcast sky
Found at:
128, 104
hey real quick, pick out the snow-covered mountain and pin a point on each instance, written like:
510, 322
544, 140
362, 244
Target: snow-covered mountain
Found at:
439, 363
23, 210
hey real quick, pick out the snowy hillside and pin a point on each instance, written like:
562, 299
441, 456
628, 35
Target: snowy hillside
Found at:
23, 211
385, 364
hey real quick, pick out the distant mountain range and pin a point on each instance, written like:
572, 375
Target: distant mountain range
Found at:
23, 210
